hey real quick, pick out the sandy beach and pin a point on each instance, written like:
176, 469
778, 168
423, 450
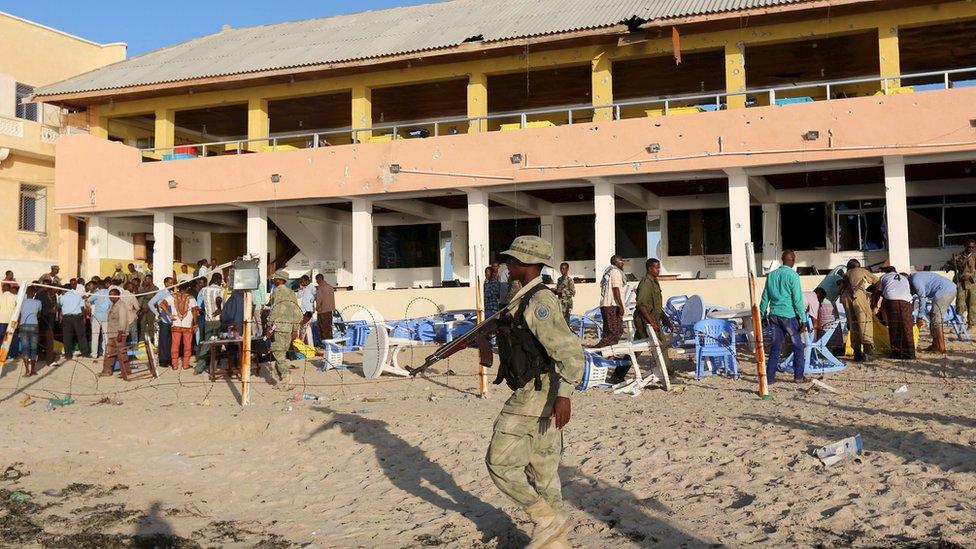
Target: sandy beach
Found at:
176, 462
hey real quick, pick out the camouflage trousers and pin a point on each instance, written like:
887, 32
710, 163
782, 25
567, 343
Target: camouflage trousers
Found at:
523, 459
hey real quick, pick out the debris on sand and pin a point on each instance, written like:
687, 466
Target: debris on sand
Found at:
843, 450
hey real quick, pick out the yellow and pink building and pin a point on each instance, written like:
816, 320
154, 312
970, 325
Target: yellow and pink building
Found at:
406, 147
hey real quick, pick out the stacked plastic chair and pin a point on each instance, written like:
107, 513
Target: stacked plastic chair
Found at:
715, 340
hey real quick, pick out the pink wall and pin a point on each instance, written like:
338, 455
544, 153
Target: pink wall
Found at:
862, 127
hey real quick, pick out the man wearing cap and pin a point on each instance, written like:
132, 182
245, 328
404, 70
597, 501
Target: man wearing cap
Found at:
285, 317
542, 361
963, 266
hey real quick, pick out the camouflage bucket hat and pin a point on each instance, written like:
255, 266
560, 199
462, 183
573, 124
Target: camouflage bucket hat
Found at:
530, 250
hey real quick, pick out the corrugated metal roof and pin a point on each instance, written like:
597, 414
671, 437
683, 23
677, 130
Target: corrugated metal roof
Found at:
374, 34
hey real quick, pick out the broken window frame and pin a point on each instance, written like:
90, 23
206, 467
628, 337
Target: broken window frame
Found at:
861, 210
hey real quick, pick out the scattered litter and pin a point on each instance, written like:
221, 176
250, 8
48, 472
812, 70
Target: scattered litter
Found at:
821, 385
840, 451
53, 492
300, 396
901, 390
12, 473
678, 388
287, 409
432, 398
54, 403
103, 400
361, 411
26, 401
373, 399
19, 496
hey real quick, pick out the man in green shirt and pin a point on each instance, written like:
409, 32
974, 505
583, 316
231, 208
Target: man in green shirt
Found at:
649, 313
786, 315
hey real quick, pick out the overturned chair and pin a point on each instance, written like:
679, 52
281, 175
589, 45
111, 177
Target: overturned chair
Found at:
599, 362
817, 358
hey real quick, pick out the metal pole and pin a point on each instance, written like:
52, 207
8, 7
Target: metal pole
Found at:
756, 322
315, 141
522, 121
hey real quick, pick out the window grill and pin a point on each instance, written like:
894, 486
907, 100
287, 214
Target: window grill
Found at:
33, 208
27, 111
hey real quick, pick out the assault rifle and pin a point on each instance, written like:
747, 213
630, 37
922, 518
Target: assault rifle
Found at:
477, 335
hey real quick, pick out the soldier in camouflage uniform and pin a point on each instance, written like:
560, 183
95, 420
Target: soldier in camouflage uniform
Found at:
963, 265
526, 445
285, 316
566, 290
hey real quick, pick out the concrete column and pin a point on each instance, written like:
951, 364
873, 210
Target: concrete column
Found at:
735, 73
654, 234
257, 236
477, 233
889, 55
363, 240
162, 265
555, 236
772, 235
602, 86
896, 208
741, 233
606, 224
258, 123
477, 101
96, 246
362, 111
165, 130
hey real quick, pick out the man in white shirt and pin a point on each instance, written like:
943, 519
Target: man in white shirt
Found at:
211, 299
612, 302
896, 293
306, 294
184, 274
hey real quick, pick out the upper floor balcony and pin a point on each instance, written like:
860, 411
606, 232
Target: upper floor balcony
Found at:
788, 96
27, 137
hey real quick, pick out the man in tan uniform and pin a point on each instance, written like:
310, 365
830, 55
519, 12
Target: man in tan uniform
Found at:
542, 361
286, 317
120, 316
963, 265
857, 304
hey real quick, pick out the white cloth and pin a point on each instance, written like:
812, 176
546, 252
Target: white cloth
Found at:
612, 278
895, 287
210, 294
306, 298
813, 305
184, 277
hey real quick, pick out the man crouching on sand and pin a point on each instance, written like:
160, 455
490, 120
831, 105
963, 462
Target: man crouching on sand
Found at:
542, 361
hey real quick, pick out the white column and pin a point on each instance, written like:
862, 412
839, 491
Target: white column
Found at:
363, 244
605, 244
162, 265
96, 246
772, 236
477, 233
257, 236
739, 226
555, 237
896, 208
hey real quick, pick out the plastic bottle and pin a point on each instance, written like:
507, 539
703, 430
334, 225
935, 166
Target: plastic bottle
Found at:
305, 396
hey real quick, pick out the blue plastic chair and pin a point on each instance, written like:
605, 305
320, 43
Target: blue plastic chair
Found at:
955, 322
715, 339
672, 308
691, 312
817, 358
591, 317
596, 370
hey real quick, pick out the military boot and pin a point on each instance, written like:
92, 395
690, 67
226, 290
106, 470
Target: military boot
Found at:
549, 524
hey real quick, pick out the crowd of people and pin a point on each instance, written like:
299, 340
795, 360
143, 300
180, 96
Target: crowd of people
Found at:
103, 319
862, 296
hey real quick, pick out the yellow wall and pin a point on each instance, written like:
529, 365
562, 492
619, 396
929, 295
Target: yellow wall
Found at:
28, 254
38, 55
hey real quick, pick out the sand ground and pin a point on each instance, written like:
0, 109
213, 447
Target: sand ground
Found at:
176, 462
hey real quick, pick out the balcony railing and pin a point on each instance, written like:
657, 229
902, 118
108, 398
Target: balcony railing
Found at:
804, 92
